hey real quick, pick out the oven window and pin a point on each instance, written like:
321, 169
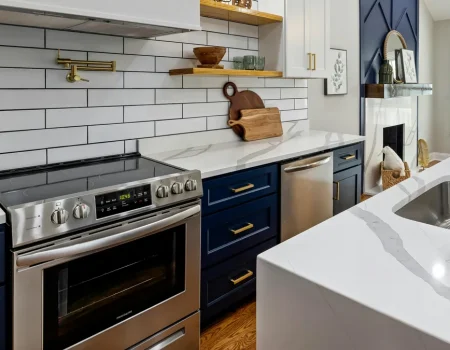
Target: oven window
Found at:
87, 295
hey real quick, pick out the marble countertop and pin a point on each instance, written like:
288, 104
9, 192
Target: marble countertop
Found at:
221, 158
398, 267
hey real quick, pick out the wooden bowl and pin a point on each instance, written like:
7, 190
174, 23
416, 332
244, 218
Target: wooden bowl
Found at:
210, 56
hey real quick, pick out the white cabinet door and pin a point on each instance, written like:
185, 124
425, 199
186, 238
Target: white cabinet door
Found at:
297, 36
168, 13
275, 7
319, 30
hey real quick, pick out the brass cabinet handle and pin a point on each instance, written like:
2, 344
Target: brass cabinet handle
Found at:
310, 61
350, 156
242, 189
243, 229
338, 191
315, 62
243, 278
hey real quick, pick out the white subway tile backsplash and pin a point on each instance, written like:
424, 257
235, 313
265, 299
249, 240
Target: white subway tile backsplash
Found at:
253, 44
153, 112
36, 99
214, 25
58, 118
294, 93
164, 96
217, 122
126, 63
165, 64
301, 103
247, 82
56, 79
45, 119
216, 95
170, 127
12, 78
152, 80
240, 53
194, 110
37, 139
298, 114
281, 83
301, 83
20, 57
21, 36
243, 30
268, 94
194, 37
103, 133
56, 39
153, 47
282, 105
67, 154
126, 97
22, 120
22, 159
238, 42
196, 81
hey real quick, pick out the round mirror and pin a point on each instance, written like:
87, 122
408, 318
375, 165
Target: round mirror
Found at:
394, 41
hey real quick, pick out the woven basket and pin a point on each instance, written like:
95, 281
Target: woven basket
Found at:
392, 177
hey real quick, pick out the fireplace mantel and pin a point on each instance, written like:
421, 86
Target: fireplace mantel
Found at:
397, 90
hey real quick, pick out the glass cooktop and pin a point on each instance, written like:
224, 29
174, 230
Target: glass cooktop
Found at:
52, 181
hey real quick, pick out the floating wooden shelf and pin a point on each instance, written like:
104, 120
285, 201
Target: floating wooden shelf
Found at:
397, 90
232, 72
219, 10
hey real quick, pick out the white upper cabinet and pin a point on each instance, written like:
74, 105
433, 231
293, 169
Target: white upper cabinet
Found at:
300, 45
128, 18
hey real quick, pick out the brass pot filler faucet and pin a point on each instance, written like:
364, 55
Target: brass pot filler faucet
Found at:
77, 65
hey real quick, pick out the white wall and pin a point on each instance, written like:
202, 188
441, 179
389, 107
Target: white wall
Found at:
426, 71
44, 119
339, 113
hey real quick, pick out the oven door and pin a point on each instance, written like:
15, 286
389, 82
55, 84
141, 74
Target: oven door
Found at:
109, 288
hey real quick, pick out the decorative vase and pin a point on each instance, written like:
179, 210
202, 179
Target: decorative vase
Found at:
386, 73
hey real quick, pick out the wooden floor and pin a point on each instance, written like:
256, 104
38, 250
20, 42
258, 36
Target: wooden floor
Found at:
237, 331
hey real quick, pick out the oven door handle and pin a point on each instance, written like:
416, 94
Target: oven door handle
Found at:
106, 242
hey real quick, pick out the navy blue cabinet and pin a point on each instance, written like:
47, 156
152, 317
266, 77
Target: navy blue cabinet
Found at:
2, 254
2, 318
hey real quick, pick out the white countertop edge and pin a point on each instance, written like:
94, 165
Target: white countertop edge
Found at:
2, 217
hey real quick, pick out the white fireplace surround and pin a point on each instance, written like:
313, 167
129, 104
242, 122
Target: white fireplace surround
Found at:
382, 113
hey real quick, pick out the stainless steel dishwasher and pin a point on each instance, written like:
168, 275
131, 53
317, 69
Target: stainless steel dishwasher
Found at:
306, 194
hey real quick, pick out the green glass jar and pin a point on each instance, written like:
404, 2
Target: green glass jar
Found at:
386, 75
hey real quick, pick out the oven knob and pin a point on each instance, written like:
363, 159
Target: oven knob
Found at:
81, 211
162, 192
60, 216
177, 188
190, 185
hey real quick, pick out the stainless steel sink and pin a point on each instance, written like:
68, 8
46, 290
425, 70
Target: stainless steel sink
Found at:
431, 208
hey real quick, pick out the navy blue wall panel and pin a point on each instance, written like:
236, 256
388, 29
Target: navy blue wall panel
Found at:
378, 18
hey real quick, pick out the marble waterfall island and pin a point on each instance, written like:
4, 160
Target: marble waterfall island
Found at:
365, 279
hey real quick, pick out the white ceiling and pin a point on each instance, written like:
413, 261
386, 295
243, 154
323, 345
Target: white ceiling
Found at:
440, 9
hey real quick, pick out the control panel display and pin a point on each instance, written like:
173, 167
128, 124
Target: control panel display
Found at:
122, 201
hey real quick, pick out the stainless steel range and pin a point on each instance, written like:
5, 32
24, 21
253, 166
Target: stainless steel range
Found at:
105, 255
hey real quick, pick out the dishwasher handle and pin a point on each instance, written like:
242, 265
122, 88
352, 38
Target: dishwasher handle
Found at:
312, 165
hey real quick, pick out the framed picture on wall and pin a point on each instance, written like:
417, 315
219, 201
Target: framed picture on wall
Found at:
337, 82
407, 65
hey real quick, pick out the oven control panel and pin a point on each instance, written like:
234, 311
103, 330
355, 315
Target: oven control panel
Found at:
113, 203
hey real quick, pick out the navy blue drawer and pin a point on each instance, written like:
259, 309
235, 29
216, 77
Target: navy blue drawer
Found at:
234, 230
230, 282
347, 157
2, 319
230, 190
2, 254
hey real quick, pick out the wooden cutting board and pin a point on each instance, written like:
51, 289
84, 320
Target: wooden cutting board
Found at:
239, 101
259, 123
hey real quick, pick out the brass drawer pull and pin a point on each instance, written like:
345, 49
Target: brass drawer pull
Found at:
350, 156
338, 191
310, 61
315, 62
242, 189
243, 278
243, 229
